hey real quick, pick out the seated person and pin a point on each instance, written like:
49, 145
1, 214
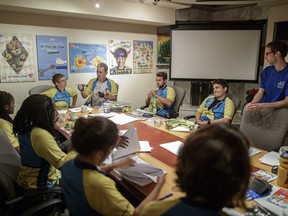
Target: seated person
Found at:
161, 100
7, 105
217, 108
41, 157
273, 91
99, 89
213, 170
87, 191
61, 94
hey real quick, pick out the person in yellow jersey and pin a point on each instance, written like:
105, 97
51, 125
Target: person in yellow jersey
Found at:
213, 170
87, 191
7, 105
61, 94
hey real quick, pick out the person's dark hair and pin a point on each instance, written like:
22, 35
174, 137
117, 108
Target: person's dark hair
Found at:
56, 77
214, 165
5, 99
103, 65
94, 134
280, 46
221, 82
162, 74
36, 111
120, 52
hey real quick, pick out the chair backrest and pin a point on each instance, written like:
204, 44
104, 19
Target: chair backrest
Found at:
180, 94
266, 128
9, 167
237, 103
39, 89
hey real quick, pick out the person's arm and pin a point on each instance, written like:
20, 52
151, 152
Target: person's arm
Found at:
149, 96
74, 100
222, 120
127, 162
163, 100
81, 89
197, 117
152, 196
112, 98
258, 96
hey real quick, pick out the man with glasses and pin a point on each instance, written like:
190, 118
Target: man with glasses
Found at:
61, 94
99, 89
273, 91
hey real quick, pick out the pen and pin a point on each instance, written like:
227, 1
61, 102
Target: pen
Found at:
166, 196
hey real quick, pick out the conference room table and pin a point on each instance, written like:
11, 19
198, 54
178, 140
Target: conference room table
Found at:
160, 158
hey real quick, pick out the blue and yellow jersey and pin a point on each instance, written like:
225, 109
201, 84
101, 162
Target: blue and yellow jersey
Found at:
8, 129
169, 93
224, 109
40, 160
87, 191
62, 99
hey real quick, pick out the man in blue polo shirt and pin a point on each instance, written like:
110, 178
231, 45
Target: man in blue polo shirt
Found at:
273, 91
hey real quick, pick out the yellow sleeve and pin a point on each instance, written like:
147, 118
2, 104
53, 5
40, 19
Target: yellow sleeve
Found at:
88, 89
50, 92
201, 107
103, 196
71, 91
46, 147
171, 94
229, 109
8, 129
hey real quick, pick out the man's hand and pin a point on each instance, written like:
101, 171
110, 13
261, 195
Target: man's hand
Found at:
252, 107
122, 142
124, 163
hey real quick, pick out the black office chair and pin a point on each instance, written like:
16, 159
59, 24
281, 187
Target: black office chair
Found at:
13, 199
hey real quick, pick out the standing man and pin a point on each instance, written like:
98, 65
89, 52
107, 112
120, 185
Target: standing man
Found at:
99, 89
273, 91
61, 94
216, 108
161, 100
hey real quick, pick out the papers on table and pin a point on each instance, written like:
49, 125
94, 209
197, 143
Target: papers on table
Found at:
141, 173
122, 119
276, 202
263, 175
105, 115
145, 146
133, 144
253, 151
271, 158
173, 147
78, 109
61, 112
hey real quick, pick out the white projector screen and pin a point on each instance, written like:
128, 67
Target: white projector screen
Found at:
211, 54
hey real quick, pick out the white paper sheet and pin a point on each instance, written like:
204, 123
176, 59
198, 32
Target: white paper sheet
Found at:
78, 109
271, 158
122, 119
105, 115
145, 146
253, 151
181, 129
172, 146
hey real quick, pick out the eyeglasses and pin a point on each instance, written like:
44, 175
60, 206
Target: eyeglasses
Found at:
266, 54
63, 80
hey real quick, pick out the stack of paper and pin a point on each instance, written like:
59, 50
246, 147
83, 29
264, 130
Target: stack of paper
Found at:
263, 175
78, 109
253, 151
105, 115
122, 119
271, 158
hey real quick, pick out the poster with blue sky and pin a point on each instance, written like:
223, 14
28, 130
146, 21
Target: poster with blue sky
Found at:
84, 58
52, 56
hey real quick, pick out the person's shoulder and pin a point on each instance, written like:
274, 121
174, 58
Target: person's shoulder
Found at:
70, 89
52, 90
4, 122
158, 207
39, 132
97, 180
110, 80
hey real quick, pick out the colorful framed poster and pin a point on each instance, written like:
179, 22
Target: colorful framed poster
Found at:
142, 56
17, 58
52, 56
121, 59
163, 49
84, 58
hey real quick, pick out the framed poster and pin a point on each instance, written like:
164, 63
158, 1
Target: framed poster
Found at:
121, 59
142, 56
17, 58
52, 56
84, 58
163, 49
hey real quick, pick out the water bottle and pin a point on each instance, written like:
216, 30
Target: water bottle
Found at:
282, 180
